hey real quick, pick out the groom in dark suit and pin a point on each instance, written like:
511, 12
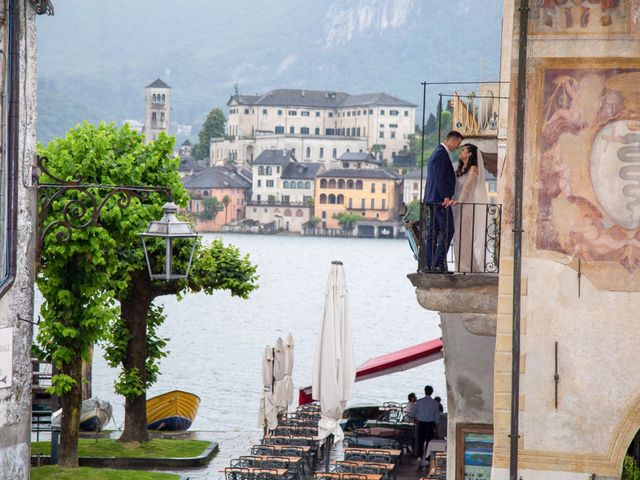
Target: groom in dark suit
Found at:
438, 194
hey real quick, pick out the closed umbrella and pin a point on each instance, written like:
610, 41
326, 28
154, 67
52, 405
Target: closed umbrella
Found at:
279, 390
333, 366
288, 368
268, 416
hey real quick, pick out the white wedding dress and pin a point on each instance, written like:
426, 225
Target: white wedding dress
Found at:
470, 218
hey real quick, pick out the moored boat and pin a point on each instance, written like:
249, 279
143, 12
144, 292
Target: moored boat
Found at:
94, 415
172, 411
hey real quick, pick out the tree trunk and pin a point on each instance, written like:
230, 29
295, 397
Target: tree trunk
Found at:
70, 424
134, 312
86, 376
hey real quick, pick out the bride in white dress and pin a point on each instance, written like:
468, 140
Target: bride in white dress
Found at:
470, 221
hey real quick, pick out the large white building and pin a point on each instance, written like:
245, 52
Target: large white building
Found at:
319, 126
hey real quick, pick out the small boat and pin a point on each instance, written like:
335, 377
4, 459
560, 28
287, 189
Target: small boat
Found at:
174, 411
94, 415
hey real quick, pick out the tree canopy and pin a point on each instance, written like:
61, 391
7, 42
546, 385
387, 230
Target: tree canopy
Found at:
213, 126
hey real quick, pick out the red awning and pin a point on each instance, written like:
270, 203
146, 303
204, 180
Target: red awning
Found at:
399, 361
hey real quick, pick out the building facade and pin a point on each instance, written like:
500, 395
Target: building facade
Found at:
228, 186
375, 120
157, 109
374, 194
283, 190
18, 216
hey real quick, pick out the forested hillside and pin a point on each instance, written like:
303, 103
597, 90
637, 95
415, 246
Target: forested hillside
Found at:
96, 57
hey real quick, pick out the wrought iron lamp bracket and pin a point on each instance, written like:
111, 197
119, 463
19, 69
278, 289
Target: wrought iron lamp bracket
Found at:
84, 211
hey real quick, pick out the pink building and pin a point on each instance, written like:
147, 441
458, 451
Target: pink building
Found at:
218, 196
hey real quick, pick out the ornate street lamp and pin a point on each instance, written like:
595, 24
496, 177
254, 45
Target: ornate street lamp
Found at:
169, 230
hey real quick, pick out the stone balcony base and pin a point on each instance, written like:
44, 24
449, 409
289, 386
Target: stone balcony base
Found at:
475, 296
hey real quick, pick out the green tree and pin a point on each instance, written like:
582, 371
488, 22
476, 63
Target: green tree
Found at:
347, 221
630, 469
413, 212
210, 208
81, 280
213, 126
226, 200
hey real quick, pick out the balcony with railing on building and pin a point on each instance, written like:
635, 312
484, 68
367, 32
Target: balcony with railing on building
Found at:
457, 249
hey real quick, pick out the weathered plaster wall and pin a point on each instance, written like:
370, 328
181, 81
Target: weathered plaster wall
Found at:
468, 364
580, 266
15, 402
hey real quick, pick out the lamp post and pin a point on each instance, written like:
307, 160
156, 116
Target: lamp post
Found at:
169, 229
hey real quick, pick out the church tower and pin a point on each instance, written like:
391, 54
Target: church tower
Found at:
157, 115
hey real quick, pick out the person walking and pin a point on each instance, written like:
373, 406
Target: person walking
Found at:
438, 195
425, 413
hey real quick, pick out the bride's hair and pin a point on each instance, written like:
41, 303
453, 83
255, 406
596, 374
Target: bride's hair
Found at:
472, 162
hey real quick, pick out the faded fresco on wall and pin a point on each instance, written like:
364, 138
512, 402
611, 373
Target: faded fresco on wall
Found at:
584, 16
589, 172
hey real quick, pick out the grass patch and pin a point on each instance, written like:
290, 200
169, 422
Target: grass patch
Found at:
106, 447
54, 472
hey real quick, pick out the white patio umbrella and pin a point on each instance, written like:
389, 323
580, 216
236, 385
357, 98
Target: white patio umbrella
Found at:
288, 368
268, 415
279, 389
333, 367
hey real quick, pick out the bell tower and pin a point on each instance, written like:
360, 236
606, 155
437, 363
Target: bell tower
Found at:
157, 115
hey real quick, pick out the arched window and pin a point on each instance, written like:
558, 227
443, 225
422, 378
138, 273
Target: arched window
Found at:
415, 186
307, 184
286, 184
323, 198
260, 170
300, 184
332, 183
287, 213
205, 193
332, 199
350, 184
341, 184
334, 153
163, 98
341, 199
269, 170
299, 213
359, 185
308, 152
304, 130
321, 152
348, 149
323, 183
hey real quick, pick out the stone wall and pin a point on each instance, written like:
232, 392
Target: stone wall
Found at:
17, 303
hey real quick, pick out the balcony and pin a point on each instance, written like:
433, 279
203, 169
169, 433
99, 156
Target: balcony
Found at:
466, 280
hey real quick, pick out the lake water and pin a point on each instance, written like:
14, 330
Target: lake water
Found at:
216, 342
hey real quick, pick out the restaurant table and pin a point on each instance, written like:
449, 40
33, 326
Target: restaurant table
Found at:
279, 472
388, 451
348, 476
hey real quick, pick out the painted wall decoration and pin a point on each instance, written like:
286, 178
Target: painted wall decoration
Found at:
584, 16
589, 167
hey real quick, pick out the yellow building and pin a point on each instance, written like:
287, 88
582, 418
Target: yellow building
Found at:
372, 193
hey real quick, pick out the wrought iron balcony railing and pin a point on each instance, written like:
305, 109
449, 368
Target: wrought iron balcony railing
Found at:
463, 238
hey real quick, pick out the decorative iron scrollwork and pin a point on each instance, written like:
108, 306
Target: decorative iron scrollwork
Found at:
43, 7
84, 209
